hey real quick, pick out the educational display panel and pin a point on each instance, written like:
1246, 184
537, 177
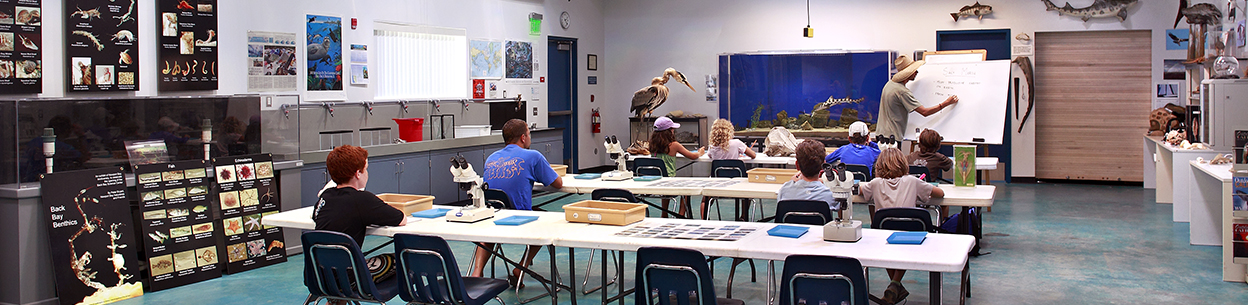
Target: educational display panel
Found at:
101, 45
179, 235
187, 45
978, 117
324, 53
271, 61
93, 252
21, 36
964, 165
247, 190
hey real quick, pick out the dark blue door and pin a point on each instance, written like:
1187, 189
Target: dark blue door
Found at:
561, 91
997, 43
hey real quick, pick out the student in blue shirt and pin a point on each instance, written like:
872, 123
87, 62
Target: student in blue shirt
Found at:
513, 170
807, 185
859, 151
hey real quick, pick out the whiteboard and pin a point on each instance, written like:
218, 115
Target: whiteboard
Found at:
978, 117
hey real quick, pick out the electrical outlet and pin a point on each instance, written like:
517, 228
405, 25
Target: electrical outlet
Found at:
534, 111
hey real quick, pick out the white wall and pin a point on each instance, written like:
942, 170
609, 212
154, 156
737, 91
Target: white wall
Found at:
646, 36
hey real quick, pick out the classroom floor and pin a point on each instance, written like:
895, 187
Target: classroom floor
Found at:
1050, 244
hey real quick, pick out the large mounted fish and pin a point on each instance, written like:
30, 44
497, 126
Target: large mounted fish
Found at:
1024, 63
1098, 9
977, 10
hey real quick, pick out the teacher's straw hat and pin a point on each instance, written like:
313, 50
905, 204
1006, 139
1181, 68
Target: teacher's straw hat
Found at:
905, 68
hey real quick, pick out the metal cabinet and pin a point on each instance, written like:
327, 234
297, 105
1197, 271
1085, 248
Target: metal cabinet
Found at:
552, 150
312, 179
441, 185
383, 175
413, 175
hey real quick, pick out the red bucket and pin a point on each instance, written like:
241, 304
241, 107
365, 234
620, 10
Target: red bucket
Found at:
411, 129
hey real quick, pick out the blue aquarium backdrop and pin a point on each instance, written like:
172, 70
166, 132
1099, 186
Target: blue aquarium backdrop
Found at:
797, 82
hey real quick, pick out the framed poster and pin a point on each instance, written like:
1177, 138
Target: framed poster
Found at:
187, 45
248, 190
21, 37
89, 221
324, 53
179, 236
592, 62
101, 45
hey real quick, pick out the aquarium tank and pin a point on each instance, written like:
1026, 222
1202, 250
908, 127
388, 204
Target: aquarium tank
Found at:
827, 89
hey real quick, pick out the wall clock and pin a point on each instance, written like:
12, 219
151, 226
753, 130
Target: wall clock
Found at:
565, 20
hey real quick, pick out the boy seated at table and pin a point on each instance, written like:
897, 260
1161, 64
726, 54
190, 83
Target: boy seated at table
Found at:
349, 209
894, 187
859, 151
807, 184
929, 155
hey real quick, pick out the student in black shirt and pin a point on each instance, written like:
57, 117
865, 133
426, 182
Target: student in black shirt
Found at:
349, 209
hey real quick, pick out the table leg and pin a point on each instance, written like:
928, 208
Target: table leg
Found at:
619, 283
571, 274
965, 291
604, 277
554, 275
935, 286
771, 281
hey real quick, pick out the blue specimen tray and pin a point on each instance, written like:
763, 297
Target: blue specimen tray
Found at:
515, 220
588, 176
788, 231
907, 238
647, 178
431, 213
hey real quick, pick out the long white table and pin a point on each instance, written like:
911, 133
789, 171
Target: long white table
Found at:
1174, 175
1213, 215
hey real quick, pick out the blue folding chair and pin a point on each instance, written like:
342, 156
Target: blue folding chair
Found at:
817, 279
334, 268
649, 166
672, 276
428, 274
730, 168
620, 195
498, 199
809, 212
903, 219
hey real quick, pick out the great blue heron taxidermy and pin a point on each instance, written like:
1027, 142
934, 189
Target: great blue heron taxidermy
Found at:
651, 97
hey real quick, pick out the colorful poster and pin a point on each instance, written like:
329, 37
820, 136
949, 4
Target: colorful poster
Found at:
247, 190
519, 59
486, 58
1239, 240
90, 233
1239, 195
324, 53
179, 237
21, 36
1177, 39
964, 165
271, 59
1241, 147
101, 45
187, 45
359, 64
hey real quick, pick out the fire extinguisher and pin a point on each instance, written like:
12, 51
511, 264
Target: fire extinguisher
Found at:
595, 120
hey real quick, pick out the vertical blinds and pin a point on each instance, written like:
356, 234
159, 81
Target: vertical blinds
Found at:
415, 62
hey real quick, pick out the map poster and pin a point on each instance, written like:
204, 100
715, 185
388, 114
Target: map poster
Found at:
101, 45
187, 45
324, 53
519, 59
271, 62
247, 191
90, 233
21, 36
178, 231
486, 58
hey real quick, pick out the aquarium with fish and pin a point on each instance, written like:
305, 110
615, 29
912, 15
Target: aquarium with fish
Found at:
803, 91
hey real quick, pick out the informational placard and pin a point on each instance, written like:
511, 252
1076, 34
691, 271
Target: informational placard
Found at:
687, 231
187, 45
271, 61
1241, 147
178, 223
101, 45
93, 249
983, 92
324, 53
1239, 240
21, 37
964, 165
247, 190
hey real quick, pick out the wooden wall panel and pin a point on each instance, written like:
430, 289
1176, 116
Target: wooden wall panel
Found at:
1093, 94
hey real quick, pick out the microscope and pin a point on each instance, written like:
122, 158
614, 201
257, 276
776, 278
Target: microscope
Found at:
615, 151
470, 182
841, 182
886, 143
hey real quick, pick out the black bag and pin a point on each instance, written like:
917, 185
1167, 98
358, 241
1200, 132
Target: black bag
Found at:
951, 226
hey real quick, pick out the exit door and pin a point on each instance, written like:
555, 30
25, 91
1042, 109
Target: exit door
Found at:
561, 103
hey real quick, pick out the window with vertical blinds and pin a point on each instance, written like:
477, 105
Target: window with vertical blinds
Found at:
416, 62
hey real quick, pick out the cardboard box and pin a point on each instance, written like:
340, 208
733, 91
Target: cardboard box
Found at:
604, 212
560, 169
407, 203
771, 175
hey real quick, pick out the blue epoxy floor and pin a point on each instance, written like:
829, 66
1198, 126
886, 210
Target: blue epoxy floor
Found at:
1050, 244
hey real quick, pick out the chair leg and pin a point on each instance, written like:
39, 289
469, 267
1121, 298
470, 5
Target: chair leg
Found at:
500, 300
311, 300
585, 284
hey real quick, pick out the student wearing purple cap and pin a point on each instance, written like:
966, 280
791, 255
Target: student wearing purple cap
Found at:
663, 145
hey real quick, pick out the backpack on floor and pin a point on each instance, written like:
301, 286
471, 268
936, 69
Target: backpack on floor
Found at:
951, 226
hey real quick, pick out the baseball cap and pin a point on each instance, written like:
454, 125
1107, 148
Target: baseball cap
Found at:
858, 128
664, 123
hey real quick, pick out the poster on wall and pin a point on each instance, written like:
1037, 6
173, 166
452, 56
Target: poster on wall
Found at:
187, 45
359, 64
101, 45
324, 53
21, 36
179, 235
247, 191
486, 58
90, 234
271, 62
519, 59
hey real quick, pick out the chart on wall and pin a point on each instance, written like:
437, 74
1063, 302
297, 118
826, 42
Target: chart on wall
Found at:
101, 45
486, 58
187, 45
90, 234
519, 59
271, 61
21, 36
179, 232
247, 191
324, 53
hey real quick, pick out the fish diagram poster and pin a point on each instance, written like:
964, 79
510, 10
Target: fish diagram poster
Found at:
101, 45
271, 59
21, 36
324, 53
90, 231
247, 191
187, 45
179, 233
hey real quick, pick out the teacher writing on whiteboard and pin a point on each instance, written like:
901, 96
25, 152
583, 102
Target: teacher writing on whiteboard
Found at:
896, 101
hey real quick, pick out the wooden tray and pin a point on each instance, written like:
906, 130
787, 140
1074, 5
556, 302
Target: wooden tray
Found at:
560, 169
407, 203
604, 212
771, 175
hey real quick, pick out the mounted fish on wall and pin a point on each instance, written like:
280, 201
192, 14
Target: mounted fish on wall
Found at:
977, 10
1098, 9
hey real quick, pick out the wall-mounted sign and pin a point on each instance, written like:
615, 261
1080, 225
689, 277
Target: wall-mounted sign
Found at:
101, 45
187, 45
21, 36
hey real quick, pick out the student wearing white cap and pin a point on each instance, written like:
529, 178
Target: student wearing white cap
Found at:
896, 101
859, 151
